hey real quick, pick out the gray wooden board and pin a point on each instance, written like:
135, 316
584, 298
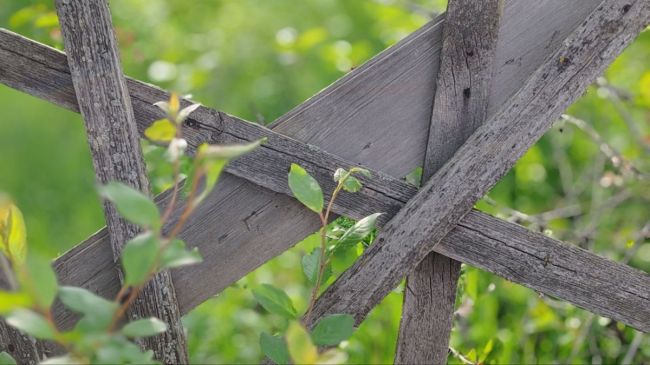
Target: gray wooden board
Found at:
234, 241
460, 106
105, 104
484, 158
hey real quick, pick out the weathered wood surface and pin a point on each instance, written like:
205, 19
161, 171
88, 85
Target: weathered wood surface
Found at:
24, 349
234, 241
460, 106
105, 105
484, 158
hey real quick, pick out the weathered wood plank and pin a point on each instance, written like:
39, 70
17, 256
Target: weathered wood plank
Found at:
484, 158
105, 105
379, 114
460, 106
235, 241
24, 349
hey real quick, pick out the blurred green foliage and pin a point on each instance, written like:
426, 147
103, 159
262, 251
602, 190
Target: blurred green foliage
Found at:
257, 59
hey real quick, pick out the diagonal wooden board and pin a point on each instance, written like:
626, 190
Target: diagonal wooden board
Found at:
484, 158
75, 266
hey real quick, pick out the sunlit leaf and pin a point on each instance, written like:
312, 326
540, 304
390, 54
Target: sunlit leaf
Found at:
486, 351
183, 114
228, 152
174, 104
12, 232
274, 300
275, 348
213, 159
132, 204
471, 355
301, 347
10, 301
332, 357
305, 188
359, 231
161, 130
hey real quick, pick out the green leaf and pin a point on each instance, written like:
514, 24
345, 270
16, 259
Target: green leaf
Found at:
213, 171
362, 171
31, 323
119, 350
486, 351
350, 183
6, 359
139, 257
471, 355
228, 152
311, 266
13, 243
162, 130
176, 255
358, 232
60, 360
132, 204
301, 347
213, 159
339, 174
305, 188
332, 356
98, 311
38, 280
275, 348
333, 329
10, 301
144, 327
185, 112
343, 257
274, 300
414, 177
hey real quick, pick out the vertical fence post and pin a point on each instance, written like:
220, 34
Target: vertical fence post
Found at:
460, 106
24, 349
105, 105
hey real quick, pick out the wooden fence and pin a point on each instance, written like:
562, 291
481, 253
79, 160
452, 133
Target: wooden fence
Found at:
501, 80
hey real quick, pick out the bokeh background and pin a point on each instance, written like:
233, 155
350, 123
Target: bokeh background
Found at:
585, 182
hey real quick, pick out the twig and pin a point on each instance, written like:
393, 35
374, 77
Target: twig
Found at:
634, 347
460, 356
614, 95
619, 162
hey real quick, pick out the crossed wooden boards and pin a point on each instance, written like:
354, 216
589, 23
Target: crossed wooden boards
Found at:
376, 116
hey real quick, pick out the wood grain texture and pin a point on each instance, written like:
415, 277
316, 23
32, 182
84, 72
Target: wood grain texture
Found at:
24, 349
234, 241
460, 106
105, 105
484, 158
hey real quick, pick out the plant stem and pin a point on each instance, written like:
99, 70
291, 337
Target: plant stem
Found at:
322, 261
177, 177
